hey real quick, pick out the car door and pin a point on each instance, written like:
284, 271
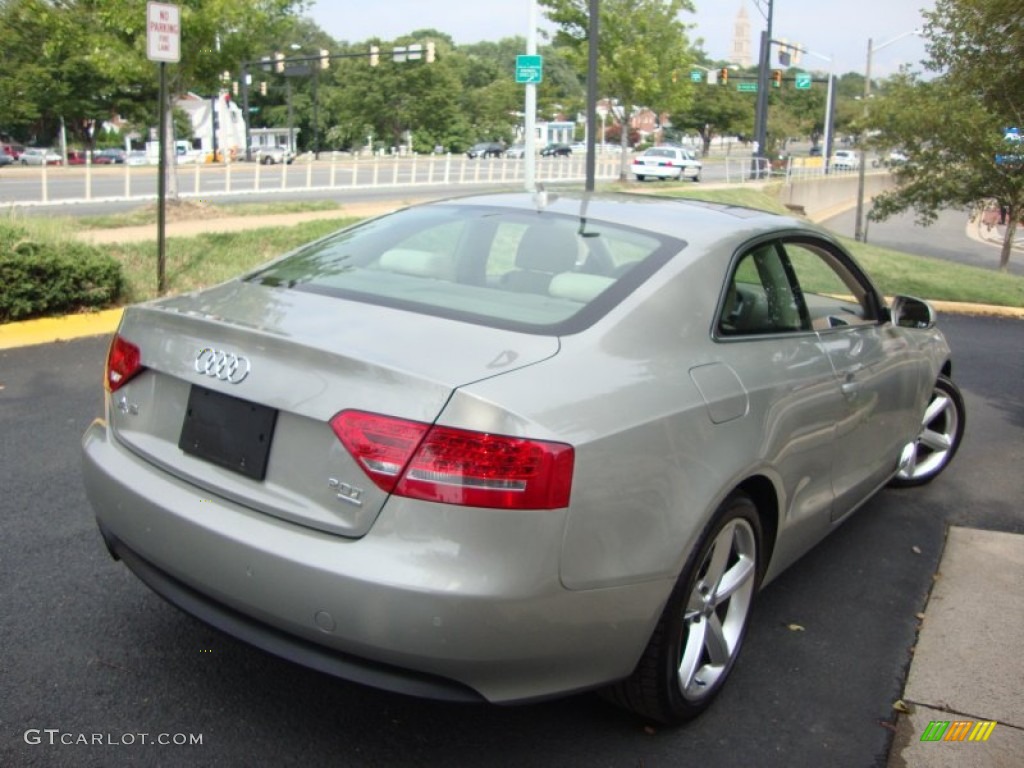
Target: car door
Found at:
767, 341
872, 363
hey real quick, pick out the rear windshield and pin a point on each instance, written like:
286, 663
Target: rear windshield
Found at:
509, 268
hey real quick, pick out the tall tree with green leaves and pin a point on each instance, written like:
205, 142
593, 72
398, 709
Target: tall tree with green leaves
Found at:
716, 110
953, 126
642, 44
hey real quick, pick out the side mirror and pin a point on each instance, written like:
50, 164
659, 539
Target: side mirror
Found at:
908, 312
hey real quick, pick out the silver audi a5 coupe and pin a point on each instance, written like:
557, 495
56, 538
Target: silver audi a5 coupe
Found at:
513, 446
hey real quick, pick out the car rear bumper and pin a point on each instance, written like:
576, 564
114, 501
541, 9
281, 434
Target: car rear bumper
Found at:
664, 171
436, 600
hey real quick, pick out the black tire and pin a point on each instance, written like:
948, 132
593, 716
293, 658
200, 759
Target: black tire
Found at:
677, 676
266, 160
942, 430
640, 178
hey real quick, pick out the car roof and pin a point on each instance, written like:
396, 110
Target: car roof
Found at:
702, 224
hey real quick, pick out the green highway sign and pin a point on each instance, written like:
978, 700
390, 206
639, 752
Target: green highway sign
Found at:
746, 87
696, 76
803, 80
529, 69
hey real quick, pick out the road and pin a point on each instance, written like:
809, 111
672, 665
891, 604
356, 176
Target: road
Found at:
87, 650
942, 240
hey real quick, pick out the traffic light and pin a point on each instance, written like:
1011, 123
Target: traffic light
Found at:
279, 62
374, 55
263, 87
723, 76
430, 53
325, 58
777, 78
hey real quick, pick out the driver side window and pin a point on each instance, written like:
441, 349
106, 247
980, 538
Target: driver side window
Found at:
833, 295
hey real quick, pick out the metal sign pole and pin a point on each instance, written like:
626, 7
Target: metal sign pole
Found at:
161, 206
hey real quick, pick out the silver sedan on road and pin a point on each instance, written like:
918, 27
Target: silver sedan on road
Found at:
514, 446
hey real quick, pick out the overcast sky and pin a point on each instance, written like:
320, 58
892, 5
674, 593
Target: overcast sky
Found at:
837, 30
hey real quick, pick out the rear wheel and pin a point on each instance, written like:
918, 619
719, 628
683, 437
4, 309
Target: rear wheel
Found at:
640, 178
942, 429
698, 637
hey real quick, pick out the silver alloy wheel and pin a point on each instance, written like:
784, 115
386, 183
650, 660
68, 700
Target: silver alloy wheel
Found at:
941, 428
717, 608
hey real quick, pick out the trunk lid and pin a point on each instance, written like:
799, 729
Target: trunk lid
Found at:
255, 363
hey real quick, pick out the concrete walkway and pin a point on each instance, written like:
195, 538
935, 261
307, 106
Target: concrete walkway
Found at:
968, 667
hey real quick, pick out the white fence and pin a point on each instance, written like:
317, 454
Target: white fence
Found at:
333, 172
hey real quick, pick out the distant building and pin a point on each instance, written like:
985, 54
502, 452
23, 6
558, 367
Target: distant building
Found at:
230, 124
742, 47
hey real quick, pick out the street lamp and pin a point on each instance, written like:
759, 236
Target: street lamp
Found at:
858, 232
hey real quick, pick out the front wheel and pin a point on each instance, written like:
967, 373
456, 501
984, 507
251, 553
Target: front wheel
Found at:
698, 637
942, 429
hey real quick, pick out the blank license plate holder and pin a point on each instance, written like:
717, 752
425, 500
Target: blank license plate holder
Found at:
227, 431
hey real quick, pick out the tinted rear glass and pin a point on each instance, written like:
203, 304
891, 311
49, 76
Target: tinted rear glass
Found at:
509, 268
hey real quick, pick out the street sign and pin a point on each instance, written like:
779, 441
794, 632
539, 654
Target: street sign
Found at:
529, 69
747, 87
163, 32
696, 76
803, 80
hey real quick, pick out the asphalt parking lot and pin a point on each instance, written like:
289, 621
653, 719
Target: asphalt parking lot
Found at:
87, 652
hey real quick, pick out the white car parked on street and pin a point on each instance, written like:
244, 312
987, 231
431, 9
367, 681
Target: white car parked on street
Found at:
845, 160
667, 163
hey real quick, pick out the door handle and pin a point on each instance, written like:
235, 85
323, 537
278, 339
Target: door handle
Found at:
850, 388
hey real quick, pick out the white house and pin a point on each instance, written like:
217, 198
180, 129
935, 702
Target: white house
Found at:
229, 122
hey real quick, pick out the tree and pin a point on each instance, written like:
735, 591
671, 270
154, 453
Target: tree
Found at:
642, 42
716, 110
953, 126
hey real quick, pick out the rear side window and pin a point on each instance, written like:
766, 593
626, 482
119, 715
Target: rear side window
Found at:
536, 272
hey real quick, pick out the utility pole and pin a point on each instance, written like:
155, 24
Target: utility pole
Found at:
761, 116
592, 35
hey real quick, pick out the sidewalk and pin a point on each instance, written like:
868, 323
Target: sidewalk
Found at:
968, 666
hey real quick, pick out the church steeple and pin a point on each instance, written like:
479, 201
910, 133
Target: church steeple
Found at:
742, 53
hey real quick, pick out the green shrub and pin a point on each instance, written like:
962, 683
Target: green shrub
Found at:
40, 277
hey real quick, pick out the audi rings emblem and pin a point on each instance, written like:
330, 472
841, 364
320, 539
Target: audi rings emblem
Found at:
223, 366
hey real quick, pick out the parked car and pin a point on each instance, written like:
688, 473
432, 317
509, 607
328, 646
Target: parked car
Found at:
556, 150
486, 149
76, 157
112, 156
137, 157
815, 151
497, 448
845, 160
667, 163
40, 156
516, 151
274, 155
12, 151
6, 159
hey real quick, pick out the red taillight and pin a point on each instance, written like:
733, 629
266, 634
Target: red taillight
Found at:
457, 466
124, 360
